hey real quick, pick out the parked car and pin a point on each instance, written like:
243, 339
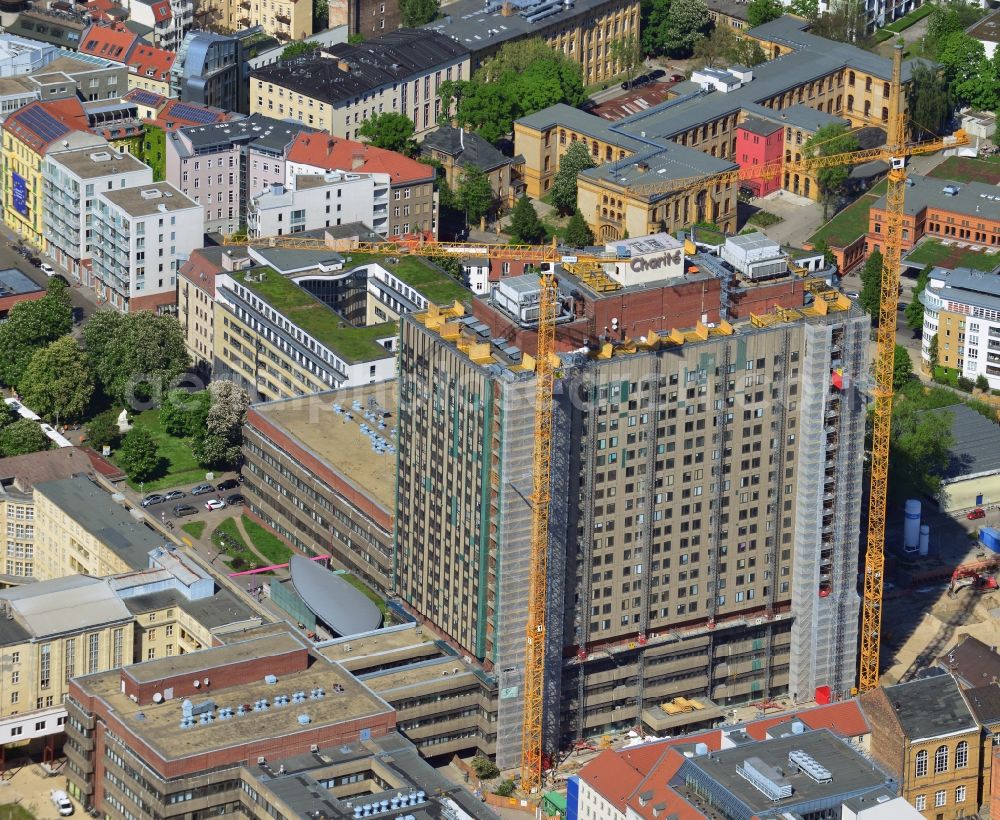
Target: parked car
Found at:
979, 512
656, 74
214, 504
47, 269
184, 509
852, 294
62, 802
34, 260
228, 484
642, 79
150, 500
235, 500
173, 495
59, 277
676, 78
201, 489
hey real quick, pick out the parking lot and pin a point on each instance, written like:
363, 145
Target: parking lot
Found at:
188, 503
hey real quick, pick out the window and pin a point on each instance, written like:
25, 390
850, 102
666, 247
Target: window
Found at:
920, 769
941, 759
94, 650
962, 755
940, 798
920, 803
960, 794
45, 666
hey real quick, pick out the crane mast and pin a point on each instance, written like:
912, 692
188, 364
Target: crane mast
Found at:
874, 578
533, 721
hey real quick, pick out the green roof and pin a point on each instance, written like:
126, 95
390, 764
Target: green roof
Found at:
355, 344
432, 283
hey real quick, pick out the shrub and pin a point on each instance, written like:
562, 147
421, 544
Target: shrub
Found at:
982, 383
484, 767
505, 789
965, 384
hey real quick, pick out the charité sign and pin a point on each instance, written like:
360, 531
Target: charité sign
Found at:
656, 262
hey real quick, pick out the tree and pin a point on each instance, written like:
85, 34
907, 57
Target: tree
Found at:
222, 441
748, 52
57, 382
578, 233
22, 437
8, 415
485, 768
103, 429
947, 18
871, 285
920, 449
30, 326
416, 13
321, 15
823, 247
475, 195
525, 227
627, 52
563, 192
389, 130
846, 22
982, 383
830, 139
763, 11
182, 414
928, 101
135, 355
299, 48
914, 314
902, 367
716, 47
807, 9
672, 27
970, 76
932, 350
138, 455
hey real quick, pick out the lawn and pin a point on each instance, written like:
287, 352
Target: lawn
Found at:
228, 540
934, 252
369, 593
177, 462
267, 543
194, 528
852, 222
969, 169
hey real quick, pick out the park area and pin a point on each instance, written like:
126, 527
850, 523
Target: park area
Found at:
177, 465
969, 169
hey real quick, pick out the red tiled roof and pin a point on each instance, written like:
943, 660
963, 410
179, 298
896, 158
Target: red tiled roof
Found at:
611, 777
161, 11
336, 154
201, 272
144, 98
112, 42
843, 719
60, 118
149, 61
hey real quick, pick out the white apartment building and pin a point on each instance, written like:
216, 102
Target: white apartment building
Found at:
170, 20
962, 308
71, 181
321, 201
142, 235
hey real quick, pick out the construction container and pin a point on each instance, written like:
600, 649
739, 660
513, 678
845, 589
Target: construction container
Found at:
990, 537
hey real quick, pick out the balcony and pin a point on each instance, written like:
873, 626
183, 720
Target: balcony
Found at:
283, 18
284, 36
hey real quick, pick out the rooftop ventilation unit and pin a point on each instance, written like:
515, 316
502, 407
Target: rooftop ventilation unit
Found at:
808, 765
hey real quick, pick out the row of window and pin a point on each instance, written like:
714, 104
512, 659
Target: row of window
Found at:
940, 798
941, 755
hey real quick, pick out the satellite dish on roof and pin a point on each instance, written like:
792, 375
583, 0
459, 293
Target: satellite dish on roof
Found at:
197, 683
157, 697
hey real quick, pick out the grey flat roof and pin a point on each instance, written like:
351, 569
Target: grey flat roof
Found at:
293, 260
88, 163
96, 512
256, 130
151, 198
972, 199
15, 283
758, 125
977, 443
672, 161
339, 605
221, 609
968, 287
850, 773
931, 707
66, 604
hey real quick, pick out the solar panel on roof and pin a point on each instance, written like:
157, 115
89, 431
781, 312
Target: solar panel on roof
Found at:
145, 97
189, 112
44, 124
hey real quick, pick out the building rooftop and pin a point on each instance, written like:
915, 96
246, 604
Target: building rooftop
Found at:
256, 130
969, 198
94, 510
88, 163
49, 465
151, 62
813, 767
354, 344
428, 280
220, 610
987, 30
467, 147
964, 286
148, 199
62, 605
336, 154
672, 161
59, 28
338, 442
342, 607
15, 283
974, 450
760, 126
112, 42
973, 662
985, 702
345, 71
930, 707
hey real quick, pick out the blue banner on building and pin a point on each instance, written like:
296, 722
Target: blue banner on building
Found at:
19, 193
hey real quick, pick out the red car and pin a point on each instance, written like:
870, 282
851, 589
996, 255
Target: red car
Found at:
979, 512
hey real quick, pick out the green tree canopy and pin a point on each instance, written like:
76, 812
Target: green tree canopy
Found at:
928, 101
627, 52
299, 48
749, 53
389, 130
932, 350
830, 139
29, 327
475, 194
222, 439
22, 437
134, 355
57, 383
525, 226
845, 23
182, 413
970, 76
103, 429
8, 415
902, 367
416, 13
578, 233
809, 9
919, 450
763, 11
914, 314
871, 285
948, 17
715, 48
138, 455
672, 27
563, 192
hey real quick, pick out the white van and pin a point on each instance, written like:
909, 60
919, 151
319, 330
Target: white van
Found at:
62, 802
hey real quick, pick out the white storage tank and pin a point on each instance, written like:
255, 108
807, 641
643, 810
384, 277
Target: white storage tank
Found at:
925, 540
911, 525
